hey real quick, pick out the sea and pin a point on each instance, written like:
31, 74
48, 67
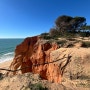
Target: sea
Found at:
7, 48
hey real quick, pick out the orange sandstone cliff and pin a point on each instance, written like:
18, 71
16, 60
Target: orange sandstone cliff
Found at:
33, 55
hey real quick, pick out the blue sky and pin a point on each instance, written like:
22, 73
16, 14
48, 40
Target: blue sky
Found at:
24, 18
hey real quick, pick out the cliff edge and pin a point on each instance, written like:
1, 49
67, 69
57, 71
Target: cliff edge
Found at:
49, 61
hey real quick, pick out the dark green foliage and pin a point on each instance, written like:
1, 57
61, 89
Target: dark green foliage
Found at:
61, 42
42, 34
69, 35
86, 44
71, 39
63, 23
68, 27
67, 23
45, 36
84, 34
78, 22
37, 86
85, 27
1, 76
53, 32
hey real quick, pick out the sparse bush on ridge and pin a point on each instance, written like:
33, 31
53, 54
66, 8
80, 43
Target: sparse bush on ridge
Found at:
68, 27
53, 32
1, 76
84, 77
45, 36
37, 86
61, 42
86, 44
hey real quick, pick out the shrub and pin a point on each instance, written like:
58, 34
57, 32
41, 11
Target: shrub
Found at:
71, 39
61, 42
1, 76
85, 77
45, 36
84, 34
53, 32
85, 44
37, 86
69, 35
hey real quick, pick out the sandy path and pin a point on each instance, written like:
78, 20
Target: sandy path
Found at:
5, 65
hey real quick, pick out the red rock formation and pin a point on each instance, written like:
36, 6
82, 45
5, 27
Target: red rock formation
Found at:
34, 51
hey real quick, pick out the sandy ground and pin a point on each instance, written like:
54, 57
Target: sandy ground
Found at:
24, 81
5, 65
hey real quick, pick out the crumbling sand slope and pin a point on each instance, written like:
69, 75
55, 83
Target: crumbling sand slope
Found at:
77, 72
29, 81
80, 58
79, 62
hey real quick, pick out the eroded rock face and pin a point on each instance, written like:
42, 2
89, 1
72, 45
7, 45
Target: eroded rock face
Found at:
33, 53
78, 66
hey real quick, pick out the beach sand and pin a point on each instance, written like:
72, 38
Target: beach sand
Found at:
5, 65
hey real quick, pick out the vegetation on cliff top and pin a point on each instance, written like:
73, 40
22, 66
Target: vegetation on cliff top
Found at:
67, 26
